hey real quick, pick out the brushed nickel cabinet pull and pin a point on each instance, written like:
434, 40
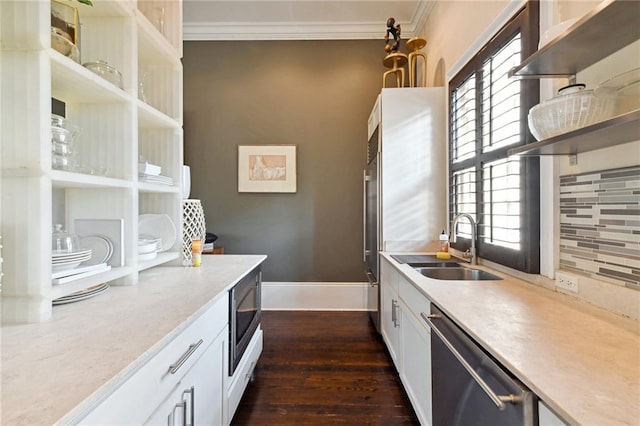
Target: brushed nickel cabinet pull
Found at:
394, 312
173, 368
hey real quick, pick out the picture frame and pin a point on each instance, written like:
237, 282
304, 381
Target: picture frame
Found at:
267, 168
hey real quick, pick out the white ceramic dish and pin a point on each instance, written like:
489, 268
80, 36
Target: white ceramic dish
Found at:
60, 262
65, 255
112, 229
158, 226
101, 246
65, 266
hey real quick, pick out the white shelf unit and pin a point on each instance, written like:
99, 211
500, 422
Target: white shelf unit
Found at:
143, 40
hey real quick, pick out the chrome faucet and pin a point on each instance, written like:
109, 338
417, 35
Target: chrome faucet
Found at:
471, 254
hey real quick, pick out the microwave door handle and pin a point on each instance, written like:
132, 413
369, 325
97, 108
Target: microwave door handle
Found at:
498, 400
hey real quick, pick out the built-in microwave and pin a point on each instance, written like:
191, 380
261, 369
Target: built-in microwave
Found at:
244, 315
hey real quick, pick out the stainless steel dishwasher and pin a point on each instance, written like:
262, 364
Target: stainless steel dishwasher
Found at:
469, 386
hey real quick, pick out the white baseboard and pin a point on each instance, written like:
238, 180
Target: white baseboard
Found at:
314, 296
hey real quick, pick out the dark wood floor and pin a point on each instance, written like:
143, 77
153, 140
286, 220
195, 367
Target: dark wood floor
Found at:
322, 368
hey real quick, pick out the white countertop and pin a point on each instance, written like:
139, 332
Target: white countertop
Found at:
89, 348
583, 361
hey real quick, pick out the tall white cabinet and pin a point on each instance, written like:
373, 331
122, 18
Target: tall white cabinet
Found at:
116, 127
412, 169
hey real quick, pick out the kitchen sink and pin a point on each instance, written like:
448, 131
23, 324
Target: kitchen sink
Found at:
459, 273
433, 264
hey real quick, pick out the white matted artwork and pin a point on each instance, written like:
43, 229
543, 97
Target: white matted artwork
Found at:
267, 168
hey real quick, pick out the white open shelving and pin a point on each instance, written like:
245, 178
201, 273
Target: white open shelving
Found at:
143, 40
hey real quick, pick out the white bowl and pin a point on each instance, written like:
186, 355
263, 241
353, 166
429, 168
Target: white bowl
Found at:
566, 113
153, 226
147, 246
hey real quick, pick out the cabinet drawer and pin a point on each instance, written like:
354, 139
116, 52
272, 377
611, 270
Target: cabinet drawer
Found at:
199, 394
415, 301
244, 371
138, 396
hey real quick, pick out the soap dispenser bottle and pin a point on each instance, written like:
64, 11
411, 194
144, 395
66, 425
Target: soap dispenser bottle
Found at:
444, 242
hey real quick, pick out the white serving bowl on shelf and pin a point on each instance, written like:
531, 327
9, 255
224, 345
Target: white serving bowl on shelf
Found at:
573, 109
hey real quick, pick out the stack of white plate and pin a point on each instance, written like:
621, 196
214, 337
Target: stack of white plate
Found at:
101, 248
66, 261
82, 294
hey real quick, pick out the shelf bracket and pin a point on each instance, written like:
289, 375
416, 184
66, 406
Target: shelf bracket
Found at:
573, 159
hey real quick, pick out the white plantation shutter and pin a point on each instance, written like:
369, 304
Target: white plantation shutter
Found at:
501, 98
463, 121
464, 190
500, 222
487, 117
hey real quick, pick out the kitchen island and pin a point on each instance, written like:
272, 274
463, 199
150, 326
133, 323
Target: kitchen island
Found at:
582, 361
57, 371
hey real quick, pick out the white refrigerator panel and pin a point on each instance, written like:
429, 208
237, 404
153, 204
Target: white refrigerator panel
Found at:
413, 172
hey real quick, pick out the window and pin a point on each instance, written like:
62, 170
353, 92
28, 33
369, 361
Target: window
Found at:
488, 115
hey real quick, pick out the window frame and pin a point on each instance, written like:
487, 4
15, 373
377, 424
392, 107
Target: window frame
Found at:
527, 259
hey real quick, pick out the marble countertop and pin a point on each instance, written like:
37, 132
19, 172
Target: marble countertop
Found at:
583, 361
89, 348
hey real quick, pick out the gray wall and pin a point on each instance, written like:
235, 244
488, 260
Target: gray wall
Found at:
314, 94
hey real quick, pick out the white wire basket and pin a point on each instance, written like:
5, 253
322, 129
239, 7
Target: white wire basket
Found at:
193, 227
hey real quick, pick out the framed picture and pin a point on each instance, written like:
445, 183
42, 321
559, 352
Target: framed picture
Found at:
267, 168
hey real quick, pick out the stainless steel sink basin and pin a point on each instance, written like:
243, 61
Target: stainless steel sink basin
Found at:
463, 274
434, 265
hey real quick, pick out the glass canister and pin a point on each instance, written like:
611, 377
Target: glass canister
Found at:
63, 133
63, 241
106, 71
65, 29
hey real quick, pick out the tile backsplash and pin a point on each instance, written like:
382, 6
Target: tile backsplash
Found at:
600, 225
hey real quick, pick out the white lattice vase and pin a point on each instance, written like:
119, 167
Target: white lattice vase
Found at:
193, 227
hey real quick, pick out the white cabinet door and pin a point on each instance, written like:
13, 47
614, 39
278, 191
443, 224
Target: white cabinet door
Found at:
414, 351
198, 399
390, 311
415, 373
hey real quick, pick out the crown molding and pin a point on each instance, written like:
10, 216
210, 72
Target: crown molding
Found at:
220, 31
290, 31
421, 15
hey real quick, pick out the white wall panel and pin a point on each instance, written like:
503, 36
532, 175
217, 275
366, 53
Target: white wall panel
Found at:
314, 296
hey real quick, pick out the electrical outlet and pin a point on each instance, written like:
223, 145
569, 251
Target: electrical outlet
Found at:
567, 282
